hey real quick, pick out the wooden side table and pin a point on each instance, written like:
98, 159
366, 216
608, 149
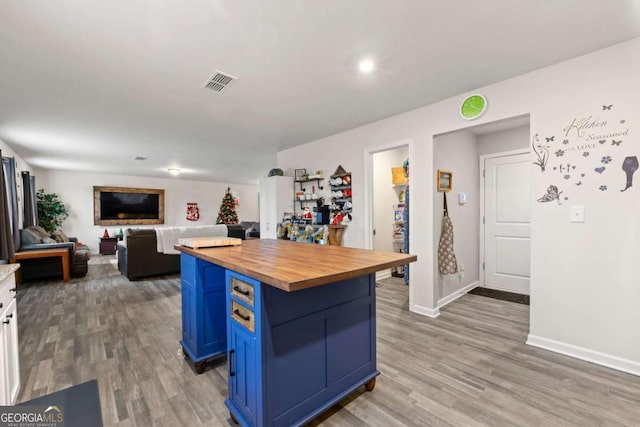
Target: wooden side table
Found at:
63, 253
108, 245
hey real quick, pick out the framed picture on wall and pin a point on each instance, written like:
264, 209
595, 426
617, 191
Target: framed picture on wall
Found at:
445, 180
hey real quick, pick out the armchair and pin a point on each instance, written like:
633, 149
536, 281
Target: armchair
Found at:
36, 238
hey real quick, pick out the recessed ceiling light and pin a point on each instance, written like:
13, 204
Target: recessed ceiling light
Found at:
366, 66
174, 171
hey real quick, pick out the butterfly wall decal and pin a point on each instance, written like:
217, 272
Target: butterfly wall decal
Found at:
607, 107
551, 195
617, 143
602, 141
549, 138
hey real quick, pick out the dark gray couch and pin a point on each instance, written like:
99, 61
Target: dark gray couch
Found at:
138, 256
34, 238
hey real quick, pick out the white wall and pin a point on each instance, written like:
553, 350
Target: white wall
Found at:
585, 282
457, 152
506, 140
76, 192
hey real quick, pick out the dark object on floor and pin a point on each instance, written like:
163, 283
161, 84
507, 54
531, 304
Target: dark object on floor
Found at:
501, 295
81, 404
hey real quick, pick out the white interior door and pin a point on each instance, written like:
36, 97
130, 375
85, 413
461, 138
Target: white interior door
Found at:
507, 223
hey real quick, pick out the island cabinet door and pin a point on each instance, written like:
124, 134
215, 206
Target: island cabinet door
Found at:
204, 332
243, 381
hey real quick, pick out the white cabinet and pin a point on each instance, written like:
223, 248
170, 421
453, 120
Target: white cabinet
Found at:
276, 198
9, 351
3, 374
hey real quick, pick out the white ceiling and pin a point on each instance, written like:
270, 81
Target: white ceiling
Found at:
88, 86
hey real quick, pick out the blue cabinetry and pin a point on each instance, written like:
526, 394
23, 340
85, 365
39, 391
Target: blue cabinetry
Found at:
204, 333
243, 356
292, 355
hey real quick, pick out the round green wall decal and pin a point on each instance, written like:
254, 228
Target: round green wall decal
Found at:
473, 107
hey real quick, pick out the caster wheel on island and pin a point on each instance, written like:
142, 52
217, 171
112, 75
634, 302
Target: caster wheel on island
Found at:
233, 418
184, 352
370, 385
200, 367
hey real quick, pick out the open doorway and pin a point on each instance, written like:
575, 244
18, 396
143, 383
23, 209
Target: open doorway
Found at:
388, 219
466, 153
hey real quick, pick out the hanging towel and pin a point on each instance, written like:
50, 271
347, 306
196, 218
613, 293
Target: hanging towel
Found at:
446, 257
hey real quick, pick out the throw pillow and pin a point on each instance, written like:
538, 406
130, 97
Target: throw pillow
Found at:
47, 240
28, 237
60, 237
39, 230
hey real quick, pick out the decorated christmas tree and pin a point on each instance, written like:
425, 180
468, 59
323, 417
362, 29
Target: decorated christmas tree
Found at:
227, 213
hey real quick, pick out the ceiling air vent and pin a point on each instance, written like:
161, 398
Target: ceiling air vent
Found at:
219, 81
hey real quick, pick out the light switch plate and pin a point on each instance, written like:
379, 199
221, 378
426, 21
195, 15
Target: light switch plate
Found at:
577, 214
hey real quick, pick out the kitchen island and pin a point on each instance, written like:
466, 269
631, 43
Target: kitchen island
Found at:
300, 323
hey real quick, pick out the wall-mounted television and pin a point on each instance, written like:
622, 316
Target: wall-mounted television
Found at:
124, 205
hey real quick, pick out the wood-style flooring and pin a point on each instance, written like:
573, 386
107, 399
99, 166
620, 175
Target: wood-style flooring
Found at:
469, 367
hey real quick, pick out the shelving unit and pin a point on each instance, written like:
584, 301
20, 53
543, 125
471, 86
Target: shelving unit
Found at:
304, 196
399, 225
341, 194
405, 216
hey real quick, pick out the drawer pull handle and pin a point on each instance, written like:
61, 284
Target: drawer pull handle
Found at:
245, 293
1, 305
10, 315
231, 371
12, 290
6, 322
245, 318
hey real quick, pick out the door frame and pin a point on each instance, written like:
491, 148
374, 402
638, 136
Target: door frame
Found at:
368, 188
481, 260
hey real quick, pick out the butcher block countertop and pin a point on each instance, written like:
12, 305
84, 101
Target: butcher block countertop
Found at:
292, 266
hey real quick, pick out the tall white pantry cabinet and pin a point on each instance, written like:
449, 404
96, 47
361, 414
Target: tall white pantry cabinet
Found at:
276, 198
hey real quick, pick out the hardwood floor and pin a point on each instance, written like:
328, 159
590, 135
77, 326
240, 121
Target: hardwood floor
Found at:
469, 367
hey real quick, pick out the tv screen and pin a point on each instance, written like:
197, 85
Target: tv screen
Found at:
128, 205
119, 205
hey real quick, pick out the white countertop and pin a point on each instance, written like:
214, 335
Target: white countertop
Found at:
7, 269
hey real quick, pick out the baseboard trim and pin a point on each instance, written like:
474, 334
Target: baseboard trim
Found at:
457, 294
603, 359
425, 311
383, 274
